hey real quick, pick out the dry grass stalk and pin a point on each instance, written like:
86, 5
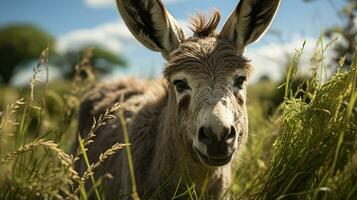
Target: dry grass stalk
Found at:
104, 156
65, 160
36, 71
8, 119
97, 123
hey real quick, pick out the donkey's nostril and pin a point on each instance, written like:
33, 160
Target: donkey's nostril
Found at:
203, 137
230, 137
225, 132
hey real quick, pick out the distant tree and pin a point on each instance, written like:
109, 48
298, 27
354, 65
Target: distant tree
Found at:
102, 60
347, 32
264, 78
20, 43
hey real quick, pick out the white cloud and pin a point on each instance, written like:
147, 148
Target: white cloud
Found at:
111, 35
114, 36
271, 59
111, 3
100, 3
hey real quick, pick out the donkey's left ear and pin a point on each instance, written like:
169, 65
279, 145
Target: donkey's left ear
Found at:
249, 21
151, 24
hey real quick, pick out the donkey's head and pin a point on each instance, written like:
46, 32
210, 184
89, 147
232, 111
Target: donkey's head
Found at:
207, 72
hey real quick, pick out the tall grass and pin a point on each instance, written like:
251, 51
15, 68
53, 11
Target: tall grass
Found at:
306, 150
314, 154
316, 145
34, 158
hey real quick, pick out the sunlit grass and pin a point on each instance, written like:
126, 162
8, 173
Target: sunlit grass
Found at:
304, 149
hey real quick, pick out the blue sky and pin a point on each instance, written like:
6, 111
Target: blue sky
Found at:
77, 22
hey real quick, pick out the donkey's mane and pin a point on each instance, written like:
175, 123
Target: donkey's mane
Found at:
203, 26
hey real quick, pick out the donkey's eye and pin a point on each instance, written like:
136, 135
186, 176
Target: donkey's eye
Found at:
181, 85
239, 81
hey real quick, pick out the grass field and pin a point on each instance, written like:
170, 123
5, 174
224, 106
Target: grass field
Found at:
304, 148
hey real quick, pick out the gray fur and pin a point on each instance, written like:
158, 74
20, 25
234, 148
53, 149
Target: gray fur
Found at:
161, 124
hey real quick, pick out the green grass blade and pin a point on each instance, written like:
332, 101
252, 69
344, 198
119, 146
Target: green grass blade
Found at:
84, 153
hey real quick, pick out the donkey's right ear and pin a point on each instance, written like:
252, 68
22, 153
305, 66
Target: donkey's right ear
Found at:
151, 24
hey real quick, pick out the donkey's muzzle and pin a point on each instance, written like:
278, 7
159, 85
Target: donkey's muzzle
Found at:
219, 146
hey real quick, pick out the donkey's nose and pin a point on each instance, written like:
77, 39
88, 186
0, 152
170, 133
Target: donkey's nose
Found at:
207, 136
218, 144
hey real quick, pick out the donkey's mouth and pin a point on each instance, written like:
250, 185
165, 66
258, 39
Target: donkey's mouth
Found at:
216, 162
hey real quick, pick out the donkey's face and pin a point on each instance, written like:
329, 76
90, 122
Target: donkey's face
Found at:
207, 72
208, 82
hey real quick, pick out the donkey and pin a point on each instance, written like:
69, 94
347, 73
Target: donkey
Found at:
186, 128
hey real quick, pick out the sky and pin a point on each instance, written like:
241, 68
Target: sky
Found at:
76, 23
